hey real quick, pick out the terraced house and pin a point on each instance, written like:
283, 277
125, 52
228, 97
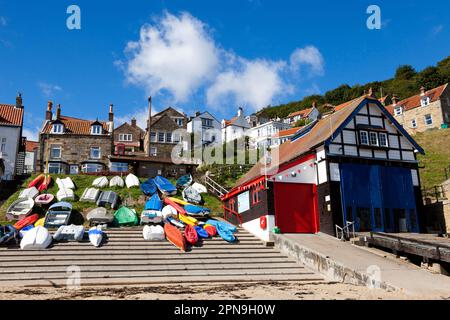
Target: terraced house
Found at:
128, 138
69, 145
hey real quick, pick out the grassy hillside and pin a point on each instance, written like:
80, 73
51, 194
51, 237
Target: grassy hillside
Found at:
133, 198
437, 148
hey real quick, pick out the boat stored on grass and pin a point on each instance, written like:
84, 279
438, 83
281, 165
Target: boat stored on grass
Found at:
184, 181
65, 194
132, 181
193, 210
58, 214
36, 239
174, 236
36, 182
165, 186
19, 209
69, 233
152, 210
29, 193
116, 182
188, 220
99, 216
108, 199
45, 184
149, 187
44, 199
191, 195
199, 188
169, 211
90, 195
100, 182
65, 183
175, 205
125, 217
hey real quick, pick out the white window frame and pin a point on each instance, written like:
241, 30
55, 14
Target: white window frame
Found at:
179, 121
176, 137
425, 101
426, 121
84, 167
74, 166
413, 123
398, 111
125, 137
120, 166
386, 140
55, 165
3, 144
161, 134
57, 128
153, 136
169, 137
371, 135
55, 147
91, 155
366, 137
96, 130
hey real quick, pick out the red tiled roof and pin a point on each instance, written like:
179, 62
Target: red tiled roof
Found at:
414, 101
10, 115
76, 126
286, 133
31, 145
303, 113
230, 122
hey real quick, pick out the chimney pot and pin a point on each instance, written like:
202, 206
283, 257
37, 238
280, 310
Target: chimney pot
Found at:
58, 112
422, 91
19, 100
111, 113
133, 122
48, 113
197, 114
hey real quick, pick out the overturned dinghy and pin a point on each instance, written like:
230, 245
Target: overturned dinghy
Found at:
108, 199
169, 211
36, 239
101, 182
90, 195
126, 217
66, 183
196, 210
96, 236
184, 181
69, 233
191, 195
165, 186
149, 187
29, 193
19, 209
65, 194
100, 216
116, 182
200, 188
132, 181
152, 210
154, 233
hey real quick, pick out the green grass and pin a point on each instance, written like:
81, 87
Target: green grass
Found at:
437, 148
132, 198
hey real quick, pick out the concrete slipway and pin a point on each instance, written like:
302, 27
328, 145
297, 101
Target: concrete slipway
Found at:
344, 262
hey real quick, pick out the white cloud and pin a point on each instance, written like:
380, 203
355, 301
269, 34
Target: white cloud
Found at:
309, 56
31, 134
176, 55
48, 89
255, 84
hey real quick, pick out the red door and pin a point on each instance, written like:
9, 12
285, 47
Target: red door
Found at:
296, 208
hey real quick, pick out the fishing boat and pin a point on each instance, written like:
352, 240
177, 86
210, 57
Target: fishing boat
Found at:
165, 186
69, 233
191, 235
108, 199
125, 217
149, 187
99, 216
96, 236
45, 184
65, 183
152, 210
188, 220
196, 210
175, 205
90, 195
36, 182
175, 222
224, 225
116, 182
200, 188
100, 182
36, 239
191, 195
65, 194
184, 181
58, 214
19, 209
29, 193
201, 232
174, 236
132, 181
44, 199
212, 231
30, 220
7, 233
153, 233
169, 211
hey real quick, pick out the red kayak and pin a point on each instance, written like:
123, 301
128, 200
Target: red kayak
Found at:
45, 184
177, 207
211, 230
26, 222
37, 181
174, 235
190, 234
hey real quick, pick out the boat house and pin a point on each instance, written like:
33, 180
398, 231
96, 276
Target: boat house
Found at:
357, 165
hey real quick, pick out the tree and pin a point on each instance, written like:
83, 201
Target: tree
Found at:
430, 78
405, 72
338, 95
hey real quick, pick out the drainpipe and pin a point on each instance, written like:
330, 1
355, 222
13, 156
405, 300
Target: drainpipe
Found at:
149, 125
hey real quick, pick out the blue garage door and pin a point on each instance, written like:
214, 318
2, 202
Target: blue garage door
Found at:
378, 198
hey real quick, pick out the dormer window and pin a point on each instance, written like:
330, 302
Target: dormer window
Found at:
425, 101
96, 129
398, 111
179, 121
57, 128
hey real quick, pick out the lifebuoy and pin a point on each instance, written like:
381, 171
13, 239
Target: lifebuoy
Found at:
263, 223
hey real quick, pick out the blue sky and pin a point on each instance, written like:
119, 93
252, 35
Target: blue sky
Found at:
204, 55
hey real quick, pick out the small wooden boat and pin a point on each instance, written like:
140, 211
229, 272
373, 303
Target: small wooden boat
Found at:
177, 207
201, 232
69, 233
65, 194
126, 217
196, 210
169, 211
191, 195
153, 233
188, 220
212, 231
36, 182
96, 236
58, 214
175, 222
19, 209
44, 199
132, 181
99, 216
90, 195
29, 193
45, 184
200, 188
30, 220
149, 187
174, 236
7, 234
108, 199
116, 182
36, 239
184, 181
100, 182
190, 234
165, 186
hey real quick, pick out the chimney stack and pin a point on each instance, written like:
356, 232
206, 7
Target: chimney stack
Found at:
149, 125
394, 100
422, 91
19, 101
133, 122
314, 104
240, 111
58, 112
371, 94
48, 113
197, 114
111, 113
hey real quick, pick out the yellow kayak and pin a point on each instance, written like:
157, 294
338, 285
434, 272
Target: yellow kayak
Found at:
40, 222
179, 201
188, 220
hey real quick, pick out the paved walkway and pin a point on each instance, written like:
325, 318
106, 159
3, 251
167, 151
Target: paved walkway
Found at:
343, 261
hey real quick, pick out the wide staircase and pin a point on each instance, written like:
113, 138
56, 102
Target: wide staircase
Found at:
126, 259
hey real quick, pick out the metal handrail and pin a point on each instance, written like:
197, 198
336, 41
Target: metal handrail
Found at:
345, 231
215, 186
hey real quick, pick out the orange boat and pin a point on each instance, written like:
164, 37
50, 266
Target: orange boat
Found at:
45, 184
174, 235
37, 181
30, 220
190, 234
177, 207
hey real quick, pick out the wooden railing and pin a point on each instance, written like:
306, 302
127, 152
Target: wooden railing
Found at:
228, 211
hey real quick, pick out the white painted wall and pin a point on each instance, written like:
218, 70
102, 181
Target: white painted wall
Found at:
304, 172
254, 228
195, 126
262, 134
9, 156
